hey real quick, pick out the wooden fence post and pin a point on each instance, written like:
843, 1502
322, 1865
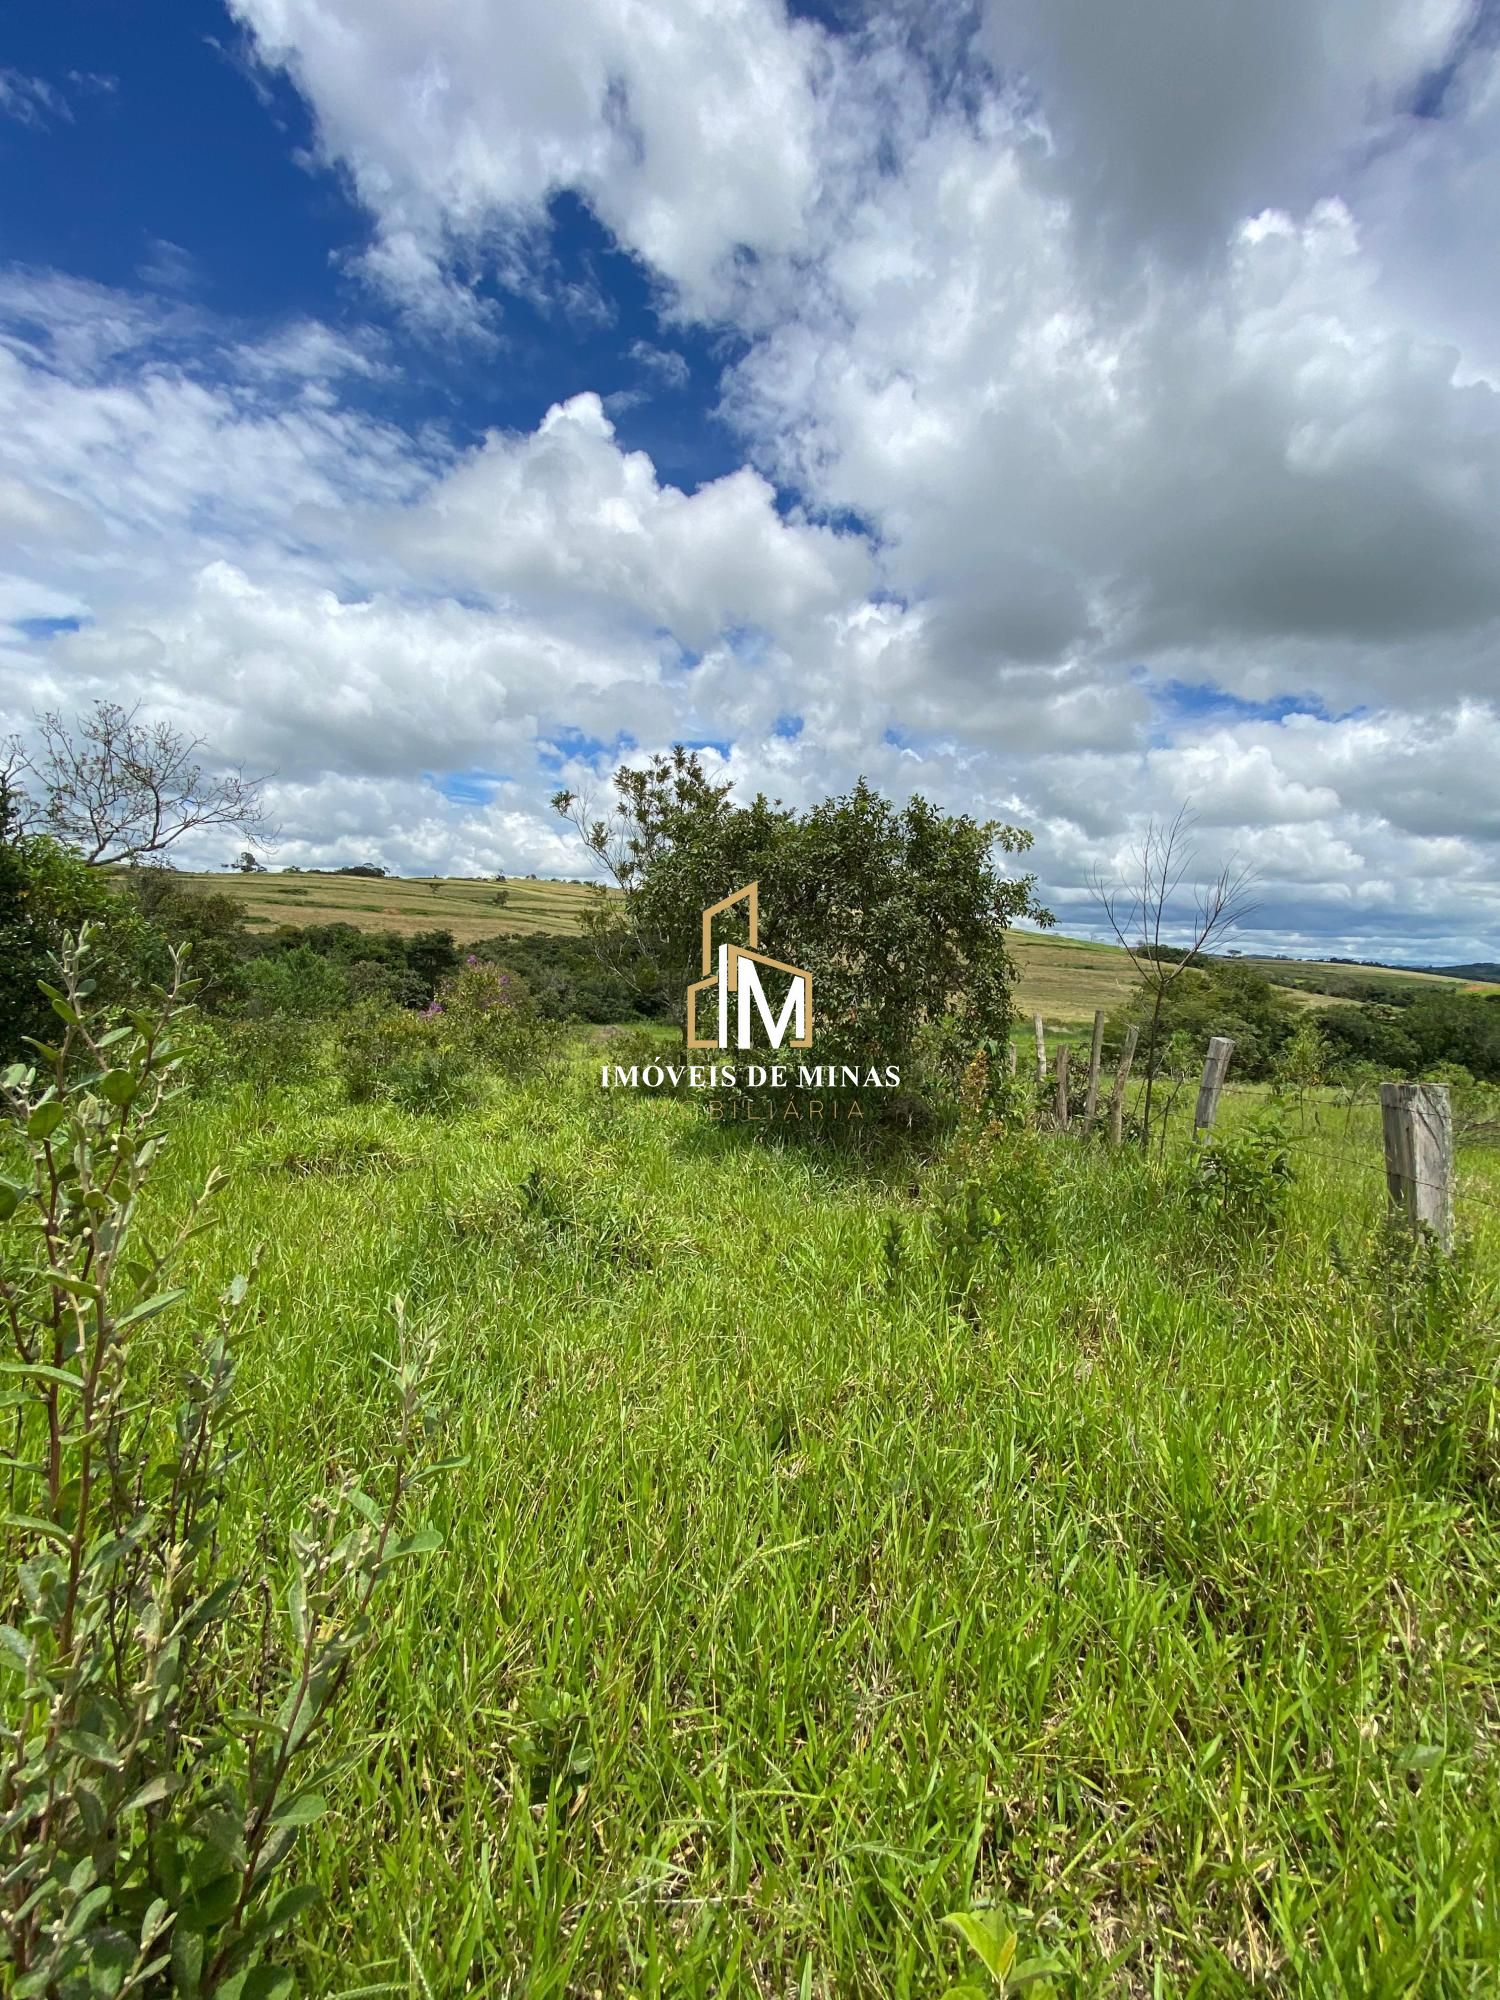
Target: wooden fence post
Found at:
1417, 1124
1220, 1049
1062, 1088
1122, 1077
1010, 1058
1091, 1102
1041, 1049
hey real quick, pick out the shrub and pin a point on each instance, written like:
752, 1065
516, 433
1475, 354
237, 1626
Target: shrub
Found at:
296, 985
182, 913
270, 1052
992, 1209
389, 1055
150, 1796
1240, 1181
486, 1012
394, 986
569, 979
1216, 997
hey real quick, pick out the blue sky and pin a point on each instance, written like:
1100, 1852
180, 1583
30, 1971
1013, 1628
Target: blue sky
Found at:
1063, 421
257, 232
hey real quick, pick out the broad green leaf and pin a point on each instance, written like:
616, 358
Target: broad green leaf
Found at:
300, 1811
31, 1525
93, 1749
988, 1937
290, 1904
162, 1786
149, 1307
257, 1982
65, 1281
45, 1119
210, 1905
425, 1542
85, 1909
187, 1960
155, 1921
43, 1372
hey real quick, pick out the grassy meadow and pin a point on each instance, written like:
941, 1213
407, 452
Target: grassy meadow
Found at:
825, 1564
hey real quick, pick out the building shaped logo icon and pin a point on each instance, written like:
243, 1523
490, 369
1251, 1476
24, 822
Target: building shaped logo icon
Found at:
736, 973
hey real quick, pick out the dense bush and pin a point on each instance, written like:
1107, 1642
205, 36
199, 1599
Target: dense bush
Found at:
1239, 1182
393, 1056
184, 913
376, 964
46, 893
266, 1051
488, 1013
1435, 1025
1219, 997
479, 1021
293, 985
571, 979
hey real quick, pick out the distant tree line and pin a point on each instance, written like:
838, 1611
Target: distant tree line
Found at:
292, 971
1412, 1029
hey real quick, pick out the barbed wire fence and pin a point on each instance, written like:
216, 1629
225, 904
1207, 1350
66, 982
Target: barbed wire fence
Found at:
1417, 1162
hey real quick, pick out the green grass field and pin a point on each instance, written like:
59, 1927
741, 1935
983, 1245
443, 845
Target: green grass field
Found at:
790, 1602
1064, 978
453, 903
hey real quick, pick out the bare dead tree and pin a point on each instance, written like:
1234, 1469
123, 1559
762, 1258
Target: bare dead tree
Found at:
1151, 902
119, 788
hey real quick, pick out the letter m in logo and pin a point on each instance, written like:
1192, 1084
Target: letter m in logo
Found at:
734, 970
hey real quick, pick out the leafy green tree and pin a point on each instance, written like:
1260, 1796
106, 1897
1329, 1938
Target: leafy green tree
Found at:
46, 893
298, 984
1433, 1025
899, 913
1301, 1063
182, 913
1216, 997
432, 955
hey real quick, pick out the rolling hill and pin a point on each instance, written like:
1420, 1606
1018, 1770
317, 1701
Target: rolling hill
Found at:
1063, 978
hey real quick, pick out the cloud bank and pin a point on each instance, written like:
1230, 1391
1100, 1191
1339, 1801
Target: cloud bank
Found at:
1118, 414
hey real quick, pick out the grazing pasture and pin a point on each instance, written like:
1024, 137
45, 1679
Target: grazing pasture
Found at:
837, 1551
